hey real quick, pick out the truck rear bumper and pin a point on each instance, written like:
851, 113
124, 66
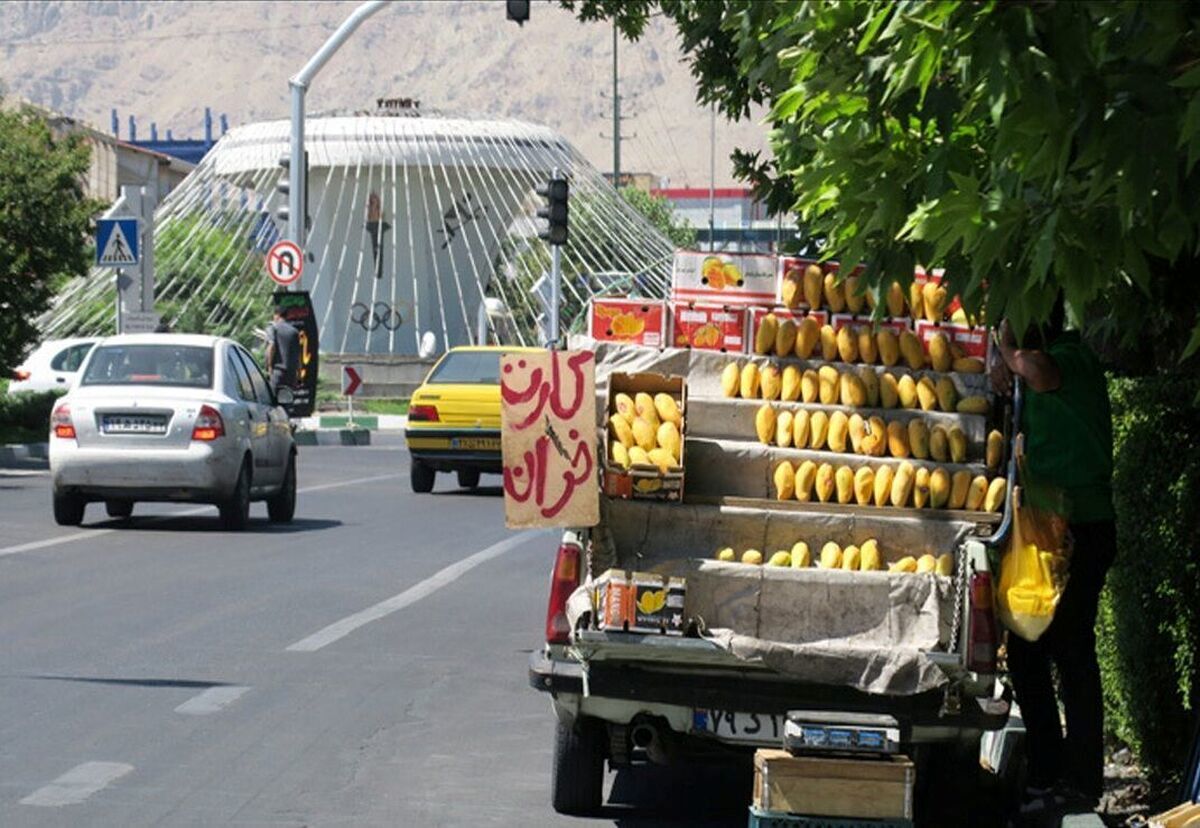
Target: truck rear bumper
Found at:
921, 717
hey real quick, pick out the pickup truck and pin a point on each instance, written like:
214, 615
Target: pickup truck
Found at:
629, 698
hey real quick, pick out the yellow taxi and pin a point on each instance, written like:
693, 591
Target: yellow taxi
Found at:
454, 417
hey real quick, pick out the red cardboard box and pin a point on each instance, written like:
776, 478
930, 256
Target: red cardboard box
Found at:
781, 313
723, 278
798, 264
632, 321
974, 341
841, 320
708, 327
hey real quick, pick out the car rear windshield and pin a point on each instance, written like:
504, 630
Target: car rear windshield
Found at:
189, 366
467, 368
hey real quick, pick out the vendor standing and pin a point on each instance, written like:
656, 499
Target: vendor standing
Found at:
283, 352
1068, 445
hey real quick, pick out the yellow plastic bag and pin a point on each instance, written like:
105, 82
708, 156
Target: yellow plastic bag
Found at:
1033, 570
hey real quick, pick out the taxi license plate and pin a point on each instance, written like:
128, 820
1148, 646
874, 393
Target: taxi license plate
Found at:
737, 726
475, 443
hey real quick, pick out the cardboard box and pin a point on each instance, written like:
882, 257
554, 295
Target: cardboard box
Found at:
708, 327
833, 787
640, 602
897, 324
611, 591
632, 321
781, 313
640, 482
974, 341
649, 595
789, 265
723, 278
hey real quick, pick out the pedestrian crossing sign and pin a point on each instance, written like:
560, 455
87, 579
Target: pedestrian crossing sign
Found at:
117, 242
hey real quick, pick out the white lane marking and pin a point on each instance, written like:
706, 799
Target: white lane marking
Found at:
211, 700
95, 533
441, 578
78, 784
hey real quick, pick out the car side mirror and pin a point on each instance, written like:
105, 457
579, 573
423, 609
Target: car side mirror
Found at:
284, 395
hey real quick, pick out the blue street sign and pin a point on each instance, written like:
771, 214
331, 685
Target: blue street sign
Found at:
117, 242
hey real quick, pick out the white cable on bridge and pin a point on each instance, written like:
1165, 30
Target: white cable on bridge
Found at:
479, 173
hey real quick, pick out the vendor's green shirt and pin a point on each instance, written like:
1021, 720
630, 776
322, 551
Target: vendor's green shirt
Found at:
1068, 432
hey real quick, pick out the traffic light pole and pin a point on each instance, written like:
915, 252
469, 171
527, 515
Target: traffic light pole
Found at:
555, 293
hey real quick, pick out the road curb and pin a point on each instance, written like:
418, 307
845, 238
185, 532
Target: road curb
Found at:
333, 437
23, 454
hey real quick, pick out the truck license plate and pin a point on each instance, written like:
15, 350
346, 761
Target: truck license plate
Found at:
736, 726
475, 443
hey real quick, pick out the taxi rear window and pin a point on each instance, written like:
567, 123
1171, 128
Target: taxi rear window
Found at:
467, 368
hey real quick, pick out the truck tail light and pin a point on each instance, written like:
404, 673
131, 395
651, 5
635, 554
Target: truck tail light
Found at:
983, 635
20, 375
61, 423
423, 413
563, 582
209, 425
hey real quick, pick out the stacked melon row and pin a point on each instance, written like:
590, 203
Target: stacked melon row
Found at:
865, 558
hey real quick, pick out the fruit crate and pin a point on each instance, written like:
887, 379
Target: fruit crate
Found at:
777, 819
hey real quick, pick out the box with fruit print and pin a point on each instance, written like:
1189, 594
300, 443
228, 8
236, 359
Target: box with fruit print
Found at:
632, 321
644, 437
723, 278
708, 327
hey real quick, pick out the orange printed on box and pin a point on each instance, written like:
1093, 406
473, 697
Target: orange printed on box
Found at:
708, 327
632, 321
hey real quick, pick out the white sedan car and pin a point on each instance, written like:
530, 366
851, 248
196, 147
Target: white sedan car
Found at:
172, 417
52, 366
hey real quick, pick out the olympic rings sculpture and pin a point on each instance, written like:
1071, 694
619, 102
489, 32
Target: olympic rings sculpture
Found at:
369, 318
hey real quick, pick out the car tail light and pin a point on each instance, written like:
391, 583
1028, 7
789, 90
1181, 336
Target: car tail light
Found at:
20, 375
563, 582
209, 425
61, 423
983, 634
423, 413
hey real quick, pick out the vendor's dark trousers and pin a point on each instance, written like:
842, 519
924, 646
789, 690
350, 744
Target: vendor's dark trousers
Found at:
1076, 759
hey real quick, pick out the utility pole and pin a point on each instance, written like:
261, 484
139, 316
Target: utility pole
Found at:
616, 115
712, 181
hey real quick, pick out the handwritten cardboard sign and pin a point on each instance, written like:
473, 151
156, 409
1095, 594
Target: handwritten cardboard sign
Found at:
548, 439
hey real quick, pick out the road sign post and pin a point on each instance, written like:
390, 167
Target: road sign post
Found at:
351, 382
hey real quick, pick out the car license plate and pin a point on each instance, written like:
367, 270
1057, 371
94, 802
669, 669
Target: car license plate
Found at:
475, 443
125, 424
736, 726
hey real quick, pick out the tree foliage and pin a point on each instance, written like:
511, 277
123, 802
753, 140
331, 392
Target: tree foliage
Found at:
659, 212
44, 222
1149, 621
1027, 147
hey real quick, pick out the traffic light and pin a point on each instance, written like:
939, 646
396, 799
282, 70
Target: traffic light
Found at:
284, 188
556, 192
517, 11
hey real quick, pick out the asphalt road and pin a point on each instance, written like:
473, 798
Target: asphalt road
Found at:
365, 665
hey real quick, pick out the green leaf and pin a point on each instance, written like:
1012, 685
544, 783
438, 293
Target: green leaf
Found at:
873, 27
1043, 250
1193, 343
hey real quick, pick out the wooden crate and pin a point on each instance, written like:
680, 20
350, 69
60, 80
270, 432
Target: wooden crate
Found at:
863, 788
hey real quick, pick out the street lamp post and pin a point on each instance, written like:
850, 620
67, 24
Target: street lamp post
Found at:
298, 85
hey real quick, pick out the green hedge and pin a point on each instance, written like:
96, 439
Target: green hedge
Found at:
28, 411
1149, 625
